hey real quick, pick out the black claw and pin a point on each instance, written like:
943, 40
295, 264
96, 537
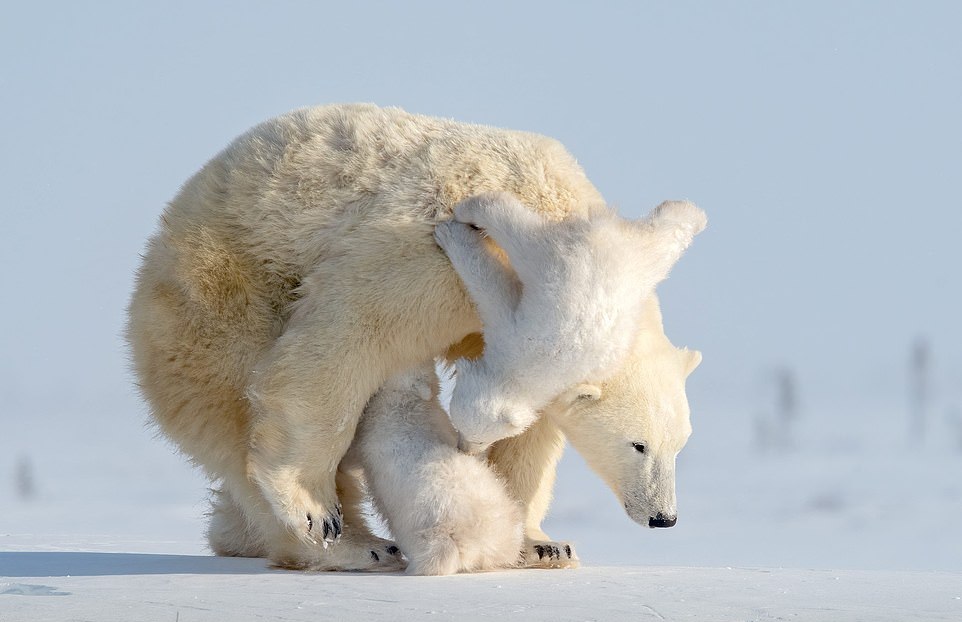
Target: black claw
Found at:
568, 550
310, 523
374, 555
327, 529
336, 526
393, 550
539, 550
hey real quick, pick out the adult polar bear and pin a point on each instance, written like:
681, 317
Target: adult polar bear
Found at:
295, 273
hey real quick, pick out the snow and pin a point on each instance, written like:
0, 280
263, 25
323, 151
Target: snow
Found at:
125, 587
844, 525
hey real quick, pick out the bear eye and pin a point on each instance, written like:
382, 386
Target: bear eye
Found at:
639, 447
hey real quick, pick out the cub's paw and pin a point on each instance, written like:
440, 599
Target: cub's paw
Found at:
456, 237
500, 212
542, 554
472, 209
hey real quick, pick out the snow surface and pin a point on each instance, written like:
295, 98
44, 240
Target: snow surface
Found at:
848, 524
126, 587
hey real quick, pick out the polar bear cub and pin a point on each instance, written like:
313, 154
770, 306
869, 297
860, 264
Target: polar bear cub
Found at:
562, 313
447, 511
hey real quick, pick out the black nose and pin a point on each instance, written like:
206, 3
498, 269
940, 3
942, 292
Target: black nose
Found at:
660, 520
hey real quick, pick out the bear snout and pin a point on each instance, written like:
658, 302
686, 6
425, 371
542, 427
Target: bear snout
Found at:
661, 520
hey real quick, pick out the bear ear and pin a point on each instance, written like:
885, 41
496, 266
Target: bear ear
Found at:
684, 218
692, 359
583, 393
589, 392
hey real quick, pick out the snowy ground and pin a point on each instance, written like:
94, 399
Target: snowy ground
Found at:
125, 587
850, 524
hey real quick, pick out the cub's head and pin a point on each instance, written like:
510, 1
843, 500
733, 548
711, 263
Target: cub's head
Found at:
565, 309
631, 427
483, 387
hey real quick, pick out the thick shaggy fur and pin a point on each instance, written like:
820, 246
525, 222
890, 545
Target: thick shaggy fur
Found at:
631, 426
447, 511
560, 313
291, 277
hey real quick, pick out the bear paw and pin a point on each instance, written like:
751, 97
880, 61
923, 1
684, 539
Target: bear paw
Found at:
544, 554
324, 528
457, 239
369, 554
314, 523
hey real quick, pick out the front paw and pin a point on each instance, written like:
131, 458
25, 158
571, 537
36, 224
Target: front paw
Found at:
453, 236
322, 527
544, 554
311, 521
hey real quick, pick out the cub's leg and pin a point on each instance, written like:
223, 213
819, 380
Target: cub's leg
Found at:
493, 286
517, 229
448, 511
528, 464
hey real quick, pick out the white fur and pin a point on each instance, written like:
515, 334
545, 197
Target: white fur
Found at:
644, 402
447, 511
293, 275
568, 313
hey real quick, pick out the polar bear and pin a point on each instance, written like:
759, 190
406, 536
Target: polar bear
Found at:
633, 441
293, 275
631, 426
560, 313
447, 511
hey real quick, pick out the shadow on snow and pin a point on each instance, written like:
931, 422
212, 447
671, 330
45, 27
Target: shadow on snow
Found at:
61, 564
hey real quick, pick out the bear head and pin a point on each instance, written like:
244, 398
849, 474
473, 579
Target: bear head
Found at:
561, 303
630, 427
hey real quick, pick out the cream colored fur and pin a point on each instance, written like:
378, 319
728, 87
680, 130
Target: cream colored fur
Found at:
565, 309
448, 511
291, 277
643, 404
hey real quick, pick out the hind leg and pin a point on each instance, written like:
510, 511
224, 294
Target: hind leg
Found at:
447, 510
230, 533
492, 285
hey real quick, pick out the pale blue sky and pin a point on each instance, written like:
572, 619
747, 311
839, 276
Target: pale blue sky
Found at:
824, 139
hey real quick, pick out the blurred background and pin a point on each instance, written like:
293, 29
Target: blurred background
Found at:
824, 140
